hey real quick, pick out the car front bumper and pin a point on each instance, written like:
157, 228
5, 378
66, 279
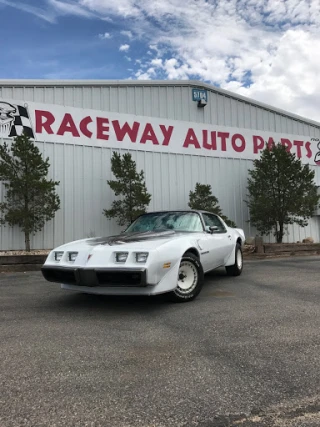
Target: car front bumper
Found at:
95, 277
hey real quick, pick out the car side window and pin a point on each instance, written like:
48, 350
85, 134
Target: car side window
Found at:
211, 220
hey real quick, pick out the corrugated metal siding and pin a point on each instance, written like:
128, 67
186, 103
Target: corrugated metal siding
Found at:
83, 171
171, 102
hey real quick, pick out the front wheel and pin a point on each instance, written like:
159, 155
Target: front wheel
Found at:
190, 279
236, 268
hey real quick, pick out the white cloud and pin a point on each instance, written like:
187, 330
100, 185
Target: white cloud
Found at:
140, 75
264, 49
124, 8
36, 11
124, 48
52, 10
127, 34
289, 80
70, 8
156, 62
105, 36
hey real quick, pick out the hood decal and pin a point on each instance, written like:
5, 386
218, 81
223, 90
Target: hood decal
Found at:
131, 238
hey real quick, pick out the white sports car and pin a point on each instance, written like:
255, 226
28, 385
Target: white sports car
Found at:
159, 252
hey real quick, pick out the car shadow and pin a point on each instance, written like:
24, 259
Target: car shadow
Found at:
109, 303
67, 301
219, 273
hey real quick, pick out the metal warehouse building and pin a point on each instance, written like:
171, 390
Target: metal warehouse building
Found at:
178, 132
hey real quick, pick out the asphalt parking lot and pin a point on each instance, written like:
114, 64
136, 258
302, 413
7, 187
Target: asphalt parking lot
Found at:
246, 352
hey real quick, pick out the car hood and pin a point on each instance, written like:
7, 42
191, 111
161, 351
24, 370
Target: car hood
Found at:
145, 241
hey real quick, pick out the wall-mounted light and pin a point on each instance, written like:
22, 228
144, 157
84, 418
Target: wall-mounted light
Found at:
202, 103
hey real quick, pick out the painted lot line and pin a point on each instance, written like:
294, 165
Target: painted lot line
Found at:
246, 352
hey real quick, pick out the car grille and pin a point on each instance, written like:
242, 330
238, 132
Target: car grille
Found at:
113, 278
59, 275
95, 277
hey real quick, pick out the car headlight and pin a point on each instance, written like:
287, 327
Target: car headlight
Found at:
121, 256
72, 256
58, 255
141, 256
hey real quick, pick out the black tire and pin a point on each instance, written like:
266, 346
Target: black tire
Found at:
191, 262
236, 268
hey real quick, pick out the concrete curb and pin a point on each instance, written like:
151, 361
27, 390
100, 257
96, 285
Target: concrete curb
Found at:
255, 256
19, 268
21, 263
22, 259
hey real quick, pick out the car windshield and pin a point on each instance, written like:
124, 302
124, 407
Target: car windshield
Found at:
177, 221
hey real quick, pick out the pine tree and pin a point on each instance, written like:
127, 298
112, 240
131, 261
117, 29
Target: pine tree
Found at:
130, 186
30, 198
281, 191
203, 199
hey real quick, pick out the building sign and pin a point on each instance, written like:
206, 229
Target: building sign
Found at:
61, 124
199, 94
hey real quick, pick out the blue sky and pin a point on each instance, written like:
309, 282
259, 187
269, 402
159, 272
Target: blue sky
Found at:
70, 47
264, 49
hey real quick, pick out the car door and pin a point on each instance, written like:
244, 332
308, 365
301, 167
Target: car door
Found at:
218, 244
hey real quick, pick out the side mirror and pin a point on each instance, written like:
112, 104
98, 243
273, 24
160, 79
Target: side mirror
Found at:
213, 229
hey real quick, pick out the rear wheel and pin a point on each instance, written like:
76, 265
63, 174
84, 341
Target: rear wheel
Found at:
236, 268
190, 279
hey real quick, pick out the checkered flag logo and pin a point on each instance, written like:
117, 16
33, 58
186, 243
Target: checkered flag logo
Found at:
14, 121
21, 123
